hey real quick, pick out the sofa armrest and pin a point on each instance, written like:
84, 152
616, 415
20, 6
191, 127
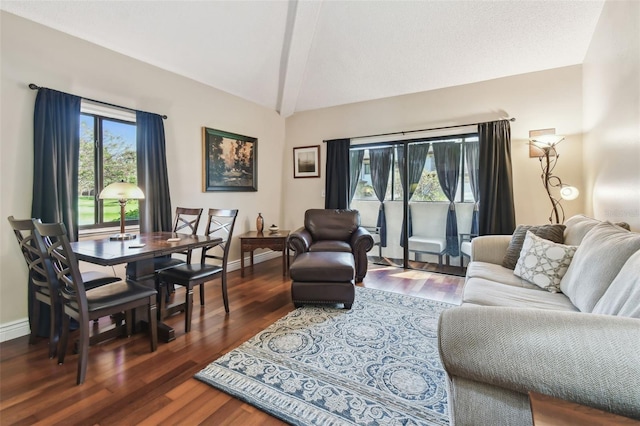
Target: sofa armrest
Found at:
589, 359
489, 248
300, 240
361, 242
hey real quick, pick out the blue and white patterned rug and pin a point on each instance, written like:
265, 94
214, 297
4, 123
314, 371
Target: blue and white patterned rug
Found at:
377, 363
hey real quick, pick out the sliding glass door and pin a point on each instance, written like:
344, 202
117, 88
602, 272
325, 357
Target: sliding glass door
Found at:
416, 197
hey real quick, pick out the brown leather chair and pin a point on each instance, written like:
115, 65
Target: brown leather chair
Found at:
327, 230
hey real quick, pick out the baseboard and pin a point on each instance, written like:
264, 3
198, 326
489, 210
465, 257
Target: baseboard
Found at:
19, 328
14, 329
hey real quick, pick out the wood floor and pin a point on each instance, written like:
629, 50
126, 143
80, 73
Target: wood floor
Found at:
126, 384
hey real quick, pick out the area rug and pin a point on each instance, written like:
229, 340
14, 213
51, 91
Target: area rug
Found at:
375, 364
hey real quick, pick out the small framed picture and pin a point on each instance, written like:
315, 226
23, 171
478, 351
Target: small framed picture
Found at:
306, 161
230, 161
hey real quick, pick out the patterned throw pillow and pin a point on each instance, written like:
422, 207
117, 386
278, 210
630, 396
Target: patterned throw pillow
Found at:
553, 233
543, 262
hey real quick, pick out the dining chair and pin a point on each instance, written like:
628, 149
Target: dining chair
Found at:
43, 286
85, 305
220, 224
187, 219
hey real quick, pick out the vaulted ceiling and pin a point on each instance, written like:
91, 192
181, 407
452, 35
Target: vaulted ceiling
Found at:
300, 55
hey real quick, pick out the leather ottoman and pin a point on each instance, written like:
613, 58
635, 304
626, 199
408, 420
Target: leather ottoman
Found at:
323, 277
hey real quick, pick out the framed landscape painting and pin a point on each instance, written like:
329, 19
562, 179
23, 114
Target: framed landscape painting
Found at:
230, 161
306, 161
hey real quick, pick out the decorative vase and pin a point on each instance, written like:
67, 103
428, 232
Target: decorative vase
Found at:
259, 222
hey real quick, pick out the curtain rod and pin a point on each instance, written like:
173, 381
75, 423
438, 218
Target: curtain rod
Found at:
422, 130
36, 87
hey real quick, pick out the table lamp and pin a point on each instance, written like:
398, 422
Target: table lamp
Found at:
121, 191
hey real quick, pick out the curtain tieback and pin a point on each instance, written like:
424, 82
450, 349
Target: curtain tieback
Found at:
452, 205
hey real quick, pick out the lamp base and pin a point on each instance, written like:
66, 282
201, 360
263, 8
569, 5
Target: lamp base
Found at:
122, 237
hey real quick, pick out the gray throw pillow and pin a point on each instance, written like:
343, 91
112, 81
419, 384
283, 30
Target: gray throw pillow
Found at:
598, 259
553, 233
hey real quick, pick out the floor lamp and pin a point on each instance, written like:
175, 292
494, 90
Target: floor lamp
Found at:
121, 191
548, 160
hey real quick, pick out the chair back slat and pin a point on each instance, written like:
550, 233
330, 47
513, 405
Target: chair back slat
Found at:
187, 218
220, 224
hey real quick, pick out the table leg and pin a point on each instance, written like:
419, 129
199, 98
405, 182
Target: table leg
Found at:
242, 262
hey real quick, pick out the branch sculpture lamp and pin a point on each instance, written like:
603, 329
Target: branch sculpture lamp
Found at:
122, 191
548, 161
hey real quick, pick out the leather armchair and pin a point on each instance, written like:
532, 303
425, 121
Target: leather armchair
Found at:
329, 230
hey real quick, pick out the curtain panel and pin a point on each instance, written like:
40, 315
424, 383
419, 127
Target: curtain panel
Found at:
471, 156
380, 161
447, 159
337, 174
495, 180
415, 164
155, 208
355, 168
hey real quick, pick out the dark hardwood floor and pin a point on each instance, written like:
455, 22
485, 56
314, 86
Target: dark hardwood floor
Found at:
126, 384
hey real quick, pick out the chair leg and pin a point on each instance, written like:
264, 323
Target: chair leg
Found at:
62, 344
201, 294
35, 318
188, 308
83, 357
153, 324
225, 297
53, 332
128, 320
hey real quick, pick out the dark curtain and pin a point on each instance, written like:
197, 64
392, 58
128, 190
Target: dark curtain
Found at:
337, 174
495, 182
471, 155
380, 161
355, 168
415, 165
447, 160
155, 209
56, 153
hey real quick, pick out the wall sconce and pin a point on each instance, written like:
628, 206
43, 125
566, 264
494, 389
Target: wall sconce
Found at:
546, 143
121, 191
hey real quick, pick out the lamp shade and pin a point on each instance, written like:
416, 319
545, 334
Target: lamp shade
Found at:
545, 141
121, 191
569, 192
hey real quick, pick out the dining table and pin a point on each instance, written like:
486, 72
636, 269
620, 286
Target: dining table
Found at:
138, 254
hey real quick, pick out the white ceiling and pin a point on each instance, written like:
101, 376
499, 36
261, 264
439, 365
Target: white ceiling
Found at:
293, 56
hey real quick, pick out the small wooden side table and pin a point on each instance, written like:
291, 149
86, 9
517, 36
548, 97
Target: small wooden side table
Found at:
276, 241
549, 411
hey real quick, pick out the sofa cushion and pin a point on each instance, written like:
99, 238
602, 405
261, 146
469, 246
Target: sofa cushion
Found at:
543, 262
493, 272
597, 261
623, 295
330, 245
553, 233
484, 292
577, 227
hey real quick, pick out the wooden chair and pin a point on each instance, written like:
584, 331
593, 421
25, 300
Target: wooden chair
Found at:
187, 219
220, 224
85, 305
44, 285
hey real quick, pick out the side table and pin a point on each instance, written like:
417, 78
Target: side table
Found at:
276, 241
549, 411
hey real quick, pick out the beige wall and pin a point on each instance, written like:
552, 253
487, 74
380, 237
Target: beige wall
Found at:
538, 100
32, 53
612, 115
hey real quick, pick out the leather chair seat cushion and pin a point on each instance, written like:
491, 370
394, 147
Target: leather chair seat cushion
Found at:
114, 294
323, 292
323, 267
161, 263
189, 272
331, 245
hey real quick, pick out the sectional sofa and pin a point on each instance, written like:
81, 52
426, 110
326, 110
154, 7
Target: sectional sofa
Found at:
563, 321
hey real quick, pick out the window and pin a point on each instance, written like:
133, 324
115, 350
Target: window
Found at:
428, 188
107, 155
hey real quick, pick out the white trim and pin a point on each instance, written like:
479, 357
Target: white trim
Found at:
14, 329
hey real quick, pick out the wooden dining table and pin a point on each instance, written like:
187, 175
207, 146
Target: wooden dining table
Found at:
138, 254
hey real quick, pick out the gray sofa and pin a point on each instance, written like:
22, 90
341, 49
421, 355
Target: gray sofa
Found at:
510, 336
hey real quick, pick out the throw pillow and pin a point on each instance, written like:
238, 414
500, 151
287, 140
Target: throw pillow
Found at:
597, 261
553, 233
543, 262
